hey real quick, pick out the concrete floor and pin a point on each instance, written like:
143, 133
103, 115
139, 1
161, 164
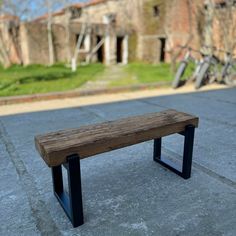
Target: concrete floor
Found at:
124, 191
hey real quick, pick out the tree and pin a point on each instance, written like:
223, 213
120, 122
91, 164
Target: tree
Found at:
66, 24
12, 13
49, 6
226, 20
26, 10
7, 33
175, 53
208, 29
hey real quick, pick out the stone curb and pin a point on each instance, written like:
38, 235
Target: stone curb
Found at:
77, 93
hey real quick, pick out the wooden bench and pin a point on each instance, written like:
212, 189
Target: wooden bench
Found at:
68, 147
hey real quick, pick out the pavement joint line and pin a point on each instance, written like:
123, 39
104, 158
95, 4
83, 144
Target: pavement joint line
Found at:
88, 110
204, 117
175, 156
219, 121
38, 207
210, 98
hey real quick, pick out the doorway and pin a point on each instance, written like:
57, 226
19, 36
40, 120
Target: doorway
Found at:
162, 49
119, 49
100, 51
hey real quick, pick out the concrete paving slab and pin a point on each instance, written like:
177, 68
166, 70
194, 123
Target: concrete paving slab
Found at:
214, 148
118, 110
220, 95
124, 191
215, 139
15, 212
201, 105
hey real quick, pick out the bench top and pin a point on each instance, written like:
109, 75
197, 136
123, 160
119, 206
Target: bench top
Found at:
98, 138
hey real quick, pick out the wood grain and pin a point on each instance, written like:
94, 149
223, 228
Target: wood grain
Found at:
94, 139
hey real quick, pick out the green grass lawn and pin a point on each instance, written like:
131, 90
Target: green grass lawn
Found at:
140, 73
18, 80
148, 73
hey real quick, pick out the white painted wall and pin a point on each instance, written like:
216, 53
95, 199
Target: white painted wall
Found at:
125, 50
107, 49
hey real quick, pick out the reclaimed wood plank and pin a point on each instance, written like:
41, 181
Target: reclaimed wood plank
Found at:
94, 139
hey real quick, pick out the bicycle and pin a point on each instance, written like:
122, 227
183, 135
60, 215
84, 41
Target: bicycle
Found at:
209, 69
182, 67
198, 63
184, 63
228, 74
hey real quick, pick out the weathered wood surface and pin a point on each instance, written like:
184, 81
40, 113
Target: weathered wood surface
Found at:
94, 139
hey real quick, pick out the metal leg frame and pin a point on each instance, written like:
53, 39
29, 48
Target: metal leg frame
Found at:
71, 202
187, 154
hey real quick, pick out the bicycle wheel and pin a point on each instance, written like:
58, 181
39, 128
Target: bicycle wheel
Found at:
202, 74
225, 70
229, 75
179, 74
196, 71
230, 79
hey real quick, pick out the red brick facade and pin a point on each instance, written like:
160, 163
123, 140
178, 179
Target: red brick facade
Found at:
154, 27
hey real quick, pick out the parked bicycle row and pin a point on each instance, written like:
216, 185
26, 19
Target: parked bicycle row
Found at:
208, 68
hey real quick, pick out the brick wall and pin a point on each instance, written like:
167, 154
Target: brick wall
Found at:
179, 21
34, 43
9, 37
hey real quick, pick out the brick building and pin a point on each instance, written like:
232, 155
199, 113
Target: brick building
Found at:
9, 40
117, 31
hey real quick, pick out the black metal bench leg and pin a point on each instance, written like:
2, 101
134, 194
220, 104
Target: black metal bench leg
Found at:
75, 190
187, 154
157, 150
57, 179
72, 202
